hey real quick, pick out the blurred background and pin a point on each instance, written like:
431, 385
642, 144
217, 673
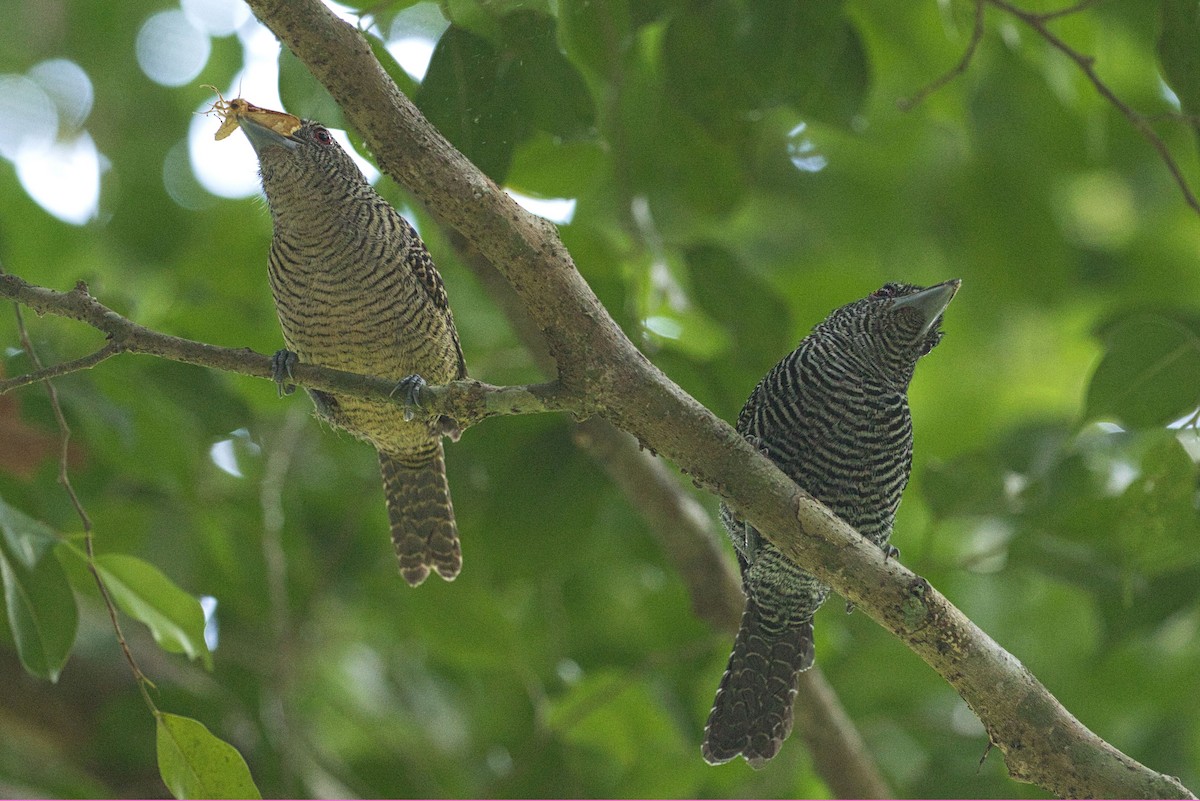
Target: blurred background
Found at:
724, 173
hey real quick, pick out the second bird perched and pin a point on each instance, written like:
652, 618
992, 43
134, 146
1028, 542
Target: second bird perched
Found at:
356, 290
834, 416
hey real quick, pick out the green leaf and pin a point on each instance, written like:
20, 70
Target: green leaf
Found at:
304, 96
595, 34
392, 67
486, 95
483, 17
621, 727
541, 80
808, 55
462, 97
1179, 51
545, 166
1149, 376
38, 598
1156, 521
27, 540
726, 58
194, 763
142, 591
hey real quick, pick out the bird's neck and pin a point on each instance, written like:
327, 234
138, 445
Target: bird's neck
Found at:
318, 213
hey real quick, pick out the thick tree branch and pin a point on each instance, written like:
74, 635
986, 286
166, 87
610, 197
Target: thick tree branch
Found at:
1042, 742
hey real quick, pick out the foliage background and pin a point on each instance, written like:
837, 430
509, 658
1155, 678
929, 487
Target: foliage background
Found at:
1056, 510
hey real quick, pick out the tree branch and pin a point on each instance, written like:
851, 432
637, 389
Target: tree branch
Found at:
1042, 742
466, 401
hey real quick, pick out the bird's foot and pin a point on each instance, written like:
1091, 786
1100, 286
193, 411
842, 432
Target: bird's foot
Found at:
411, 386
282, 362
849, 607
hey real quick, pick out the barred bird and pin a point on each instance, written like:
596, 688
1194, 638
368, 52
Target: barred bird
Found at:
356, 290
833, 415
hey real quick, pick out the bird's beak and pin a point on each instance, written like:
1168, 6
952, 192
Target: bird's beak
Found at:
931, 302
261, 137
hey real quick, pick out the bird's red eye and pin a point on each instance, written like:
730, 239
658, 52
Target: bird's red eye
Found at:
322, 137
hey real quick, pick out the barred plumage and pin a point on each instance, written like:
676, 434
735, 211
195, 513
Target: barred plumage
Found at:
356, 289
833, 414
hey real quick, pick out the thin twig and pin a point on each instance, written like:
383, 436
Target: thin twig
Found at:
908, 103
1082, 5
1086, 64
1038, 21
56, 370
64, 479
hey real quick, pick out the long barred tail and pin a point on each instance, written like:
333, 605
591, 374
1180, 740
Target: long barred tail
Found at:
752, 713
422, 517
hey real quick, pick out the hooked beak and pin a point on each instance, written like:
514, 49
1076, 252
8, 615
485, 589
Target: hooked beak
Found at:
261, 137
931, 302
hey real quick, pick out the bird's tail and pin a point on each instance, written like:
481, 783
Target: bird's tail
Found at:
422, 517
752, 713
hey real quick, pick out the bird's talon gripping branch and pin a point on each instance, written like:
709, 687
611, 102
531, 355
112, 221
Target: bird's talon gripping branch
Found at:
282, 363
411, 386
890, 552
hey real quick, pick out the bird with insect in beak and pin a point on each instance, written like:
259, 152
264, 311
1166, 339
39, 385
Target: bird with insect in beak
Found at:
356, 289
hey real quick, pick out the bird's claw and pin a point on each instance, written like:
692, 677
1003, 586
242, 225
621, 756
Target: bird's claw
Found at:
411, 386
282, 362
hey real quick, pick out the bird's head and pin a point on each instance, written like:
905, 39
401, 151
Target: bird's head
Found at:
303, 156
894, 326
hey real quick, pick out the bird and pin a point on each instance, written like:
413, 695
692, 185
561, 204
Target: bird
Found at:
356, 289
834, 416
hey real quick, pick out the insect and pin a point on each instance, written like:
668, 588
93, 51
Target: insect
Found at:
231, 111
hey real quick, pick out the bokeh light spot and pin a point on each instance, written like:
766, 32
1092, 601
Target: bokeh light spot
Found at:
216, 17
63, 177
27, 115
69, 86
170, 49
